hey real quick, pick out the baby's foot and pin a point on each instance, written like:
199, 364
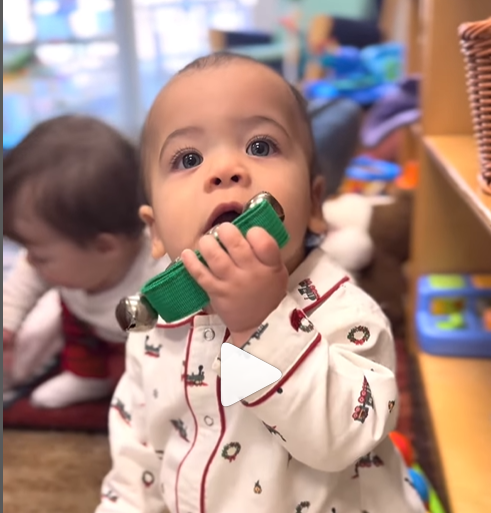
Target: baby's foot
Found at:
67, 388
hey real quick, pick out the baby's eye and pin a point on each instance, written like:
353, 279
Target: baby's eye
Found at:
36, 260
189, 160
260, 148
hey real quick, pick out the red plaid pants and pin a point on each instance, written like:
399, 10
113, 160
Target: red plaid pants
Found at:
84, 353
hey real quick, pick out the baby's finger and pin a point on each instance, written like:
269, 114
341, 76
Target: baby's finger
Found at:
217, 259
201, 274
265, 247
236, 244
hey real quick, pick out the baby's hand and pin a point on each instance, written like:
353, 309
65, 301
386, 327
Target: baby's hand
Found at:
246, 282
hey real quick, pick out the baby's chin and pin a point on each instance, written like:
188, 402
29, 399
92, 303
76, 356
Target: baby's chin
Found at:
294, 258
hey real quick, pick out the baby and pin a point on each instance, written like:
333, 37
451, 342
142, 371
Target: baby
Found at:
71, 198
222, 130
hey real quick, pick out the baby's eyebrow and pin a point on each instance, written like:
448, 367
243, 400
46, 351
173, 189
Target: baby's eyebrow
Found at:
259, 119
180, 132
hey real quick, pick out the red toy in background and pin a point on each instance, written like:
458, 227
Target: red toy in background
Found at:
405, 447
416, 476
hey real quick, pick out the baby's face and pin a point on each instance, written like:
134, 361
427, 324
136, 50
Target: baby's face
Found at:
216, 138
58, 260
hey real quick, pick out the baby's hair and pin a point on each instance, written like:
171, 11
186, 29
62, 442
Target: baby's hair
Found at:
83, 176
221, 59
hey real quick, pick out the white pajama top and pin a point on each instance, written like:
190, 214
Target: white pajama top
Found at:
316, 441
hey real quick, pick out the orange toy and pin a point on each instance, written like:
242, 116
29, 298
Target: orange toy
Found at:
487, 319
409, 176
405, 447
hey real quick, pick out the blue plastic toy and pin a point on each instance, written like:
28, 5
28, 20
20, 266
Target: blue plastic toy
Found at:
369, 176
361, 75
363, 94
418, 481
368, 168
453, 315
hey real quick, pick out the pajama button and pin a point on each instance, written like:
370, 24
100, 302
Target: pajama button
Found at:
209, 334
209, 421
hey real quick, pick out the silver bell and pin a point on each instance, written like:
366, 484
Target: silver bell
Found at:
134, 313
213, 231
266, 196
176, 261
258, 198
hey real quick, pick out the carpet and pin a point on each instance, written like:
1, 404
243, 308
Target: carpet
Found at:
52, 472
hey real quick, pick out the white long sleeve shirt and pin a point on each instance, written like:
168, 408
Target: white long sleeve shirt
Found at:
315, 441
24, 287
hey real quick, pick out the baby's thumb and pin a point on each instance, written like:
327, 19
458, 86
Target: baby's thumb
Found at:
264, 247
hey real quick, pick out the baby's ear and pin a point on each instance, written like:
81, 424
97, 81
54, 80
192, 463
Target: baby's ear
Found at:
317, 222
146, 215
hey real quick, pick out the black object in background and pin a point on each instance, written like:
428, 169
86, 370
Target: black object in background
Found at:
335, 125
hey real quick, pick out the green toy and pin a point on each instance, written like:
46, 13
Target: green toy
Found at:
174, 294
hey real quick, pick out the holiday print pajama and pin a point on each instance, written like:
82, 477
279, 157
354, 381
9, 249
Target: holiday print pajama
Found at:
313, 442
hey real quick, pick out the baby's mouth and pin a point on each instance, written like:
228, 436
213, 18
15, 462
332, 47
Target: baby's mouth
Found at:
224, 213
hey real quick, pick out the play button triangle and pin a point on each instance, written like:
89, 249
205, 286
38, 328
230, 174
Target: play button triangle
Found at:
242, 374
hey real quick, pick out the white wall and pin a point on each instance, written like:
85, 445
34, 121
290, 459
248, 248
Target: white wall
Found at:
265, 14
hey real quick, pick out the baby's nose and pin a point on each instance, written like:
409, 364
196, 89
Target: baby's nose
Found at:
228, 175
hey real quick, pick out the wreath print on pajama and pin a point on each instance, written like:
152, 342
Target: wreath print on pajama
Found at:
279, 450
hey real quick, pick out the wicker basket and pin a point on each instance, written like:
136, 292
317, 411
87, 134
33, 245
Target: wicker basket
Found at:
475, 44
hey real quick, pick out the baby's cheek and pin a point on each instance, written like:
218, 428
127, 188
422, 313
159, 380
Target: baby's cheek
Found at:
183, 232
175, 243
51, 276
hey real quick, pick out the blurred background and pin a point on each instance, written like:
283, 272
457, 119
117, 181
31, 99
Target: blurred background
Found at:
109, 57
106, 58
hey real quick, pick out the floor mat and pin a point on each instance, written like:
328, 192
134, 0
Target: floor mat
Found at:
88, 417
18, 413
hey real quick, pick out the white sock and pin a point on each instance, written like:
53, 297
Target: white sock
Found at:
67, 388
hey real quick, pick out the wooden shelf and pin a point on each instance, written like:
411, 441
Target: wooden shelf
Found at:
451, 224
457, 158
451, 234
458, 392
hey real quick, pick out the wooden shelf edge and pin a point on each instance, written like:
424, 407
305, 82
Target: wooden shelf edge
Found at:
457, 158
457, 393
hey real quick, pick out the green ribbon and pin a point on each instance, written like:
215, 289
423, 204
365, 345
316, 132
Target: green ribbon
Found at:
174, 294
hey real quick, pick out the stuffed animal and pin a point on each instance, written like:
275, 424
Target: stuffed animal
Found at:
372, 241
347, 240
